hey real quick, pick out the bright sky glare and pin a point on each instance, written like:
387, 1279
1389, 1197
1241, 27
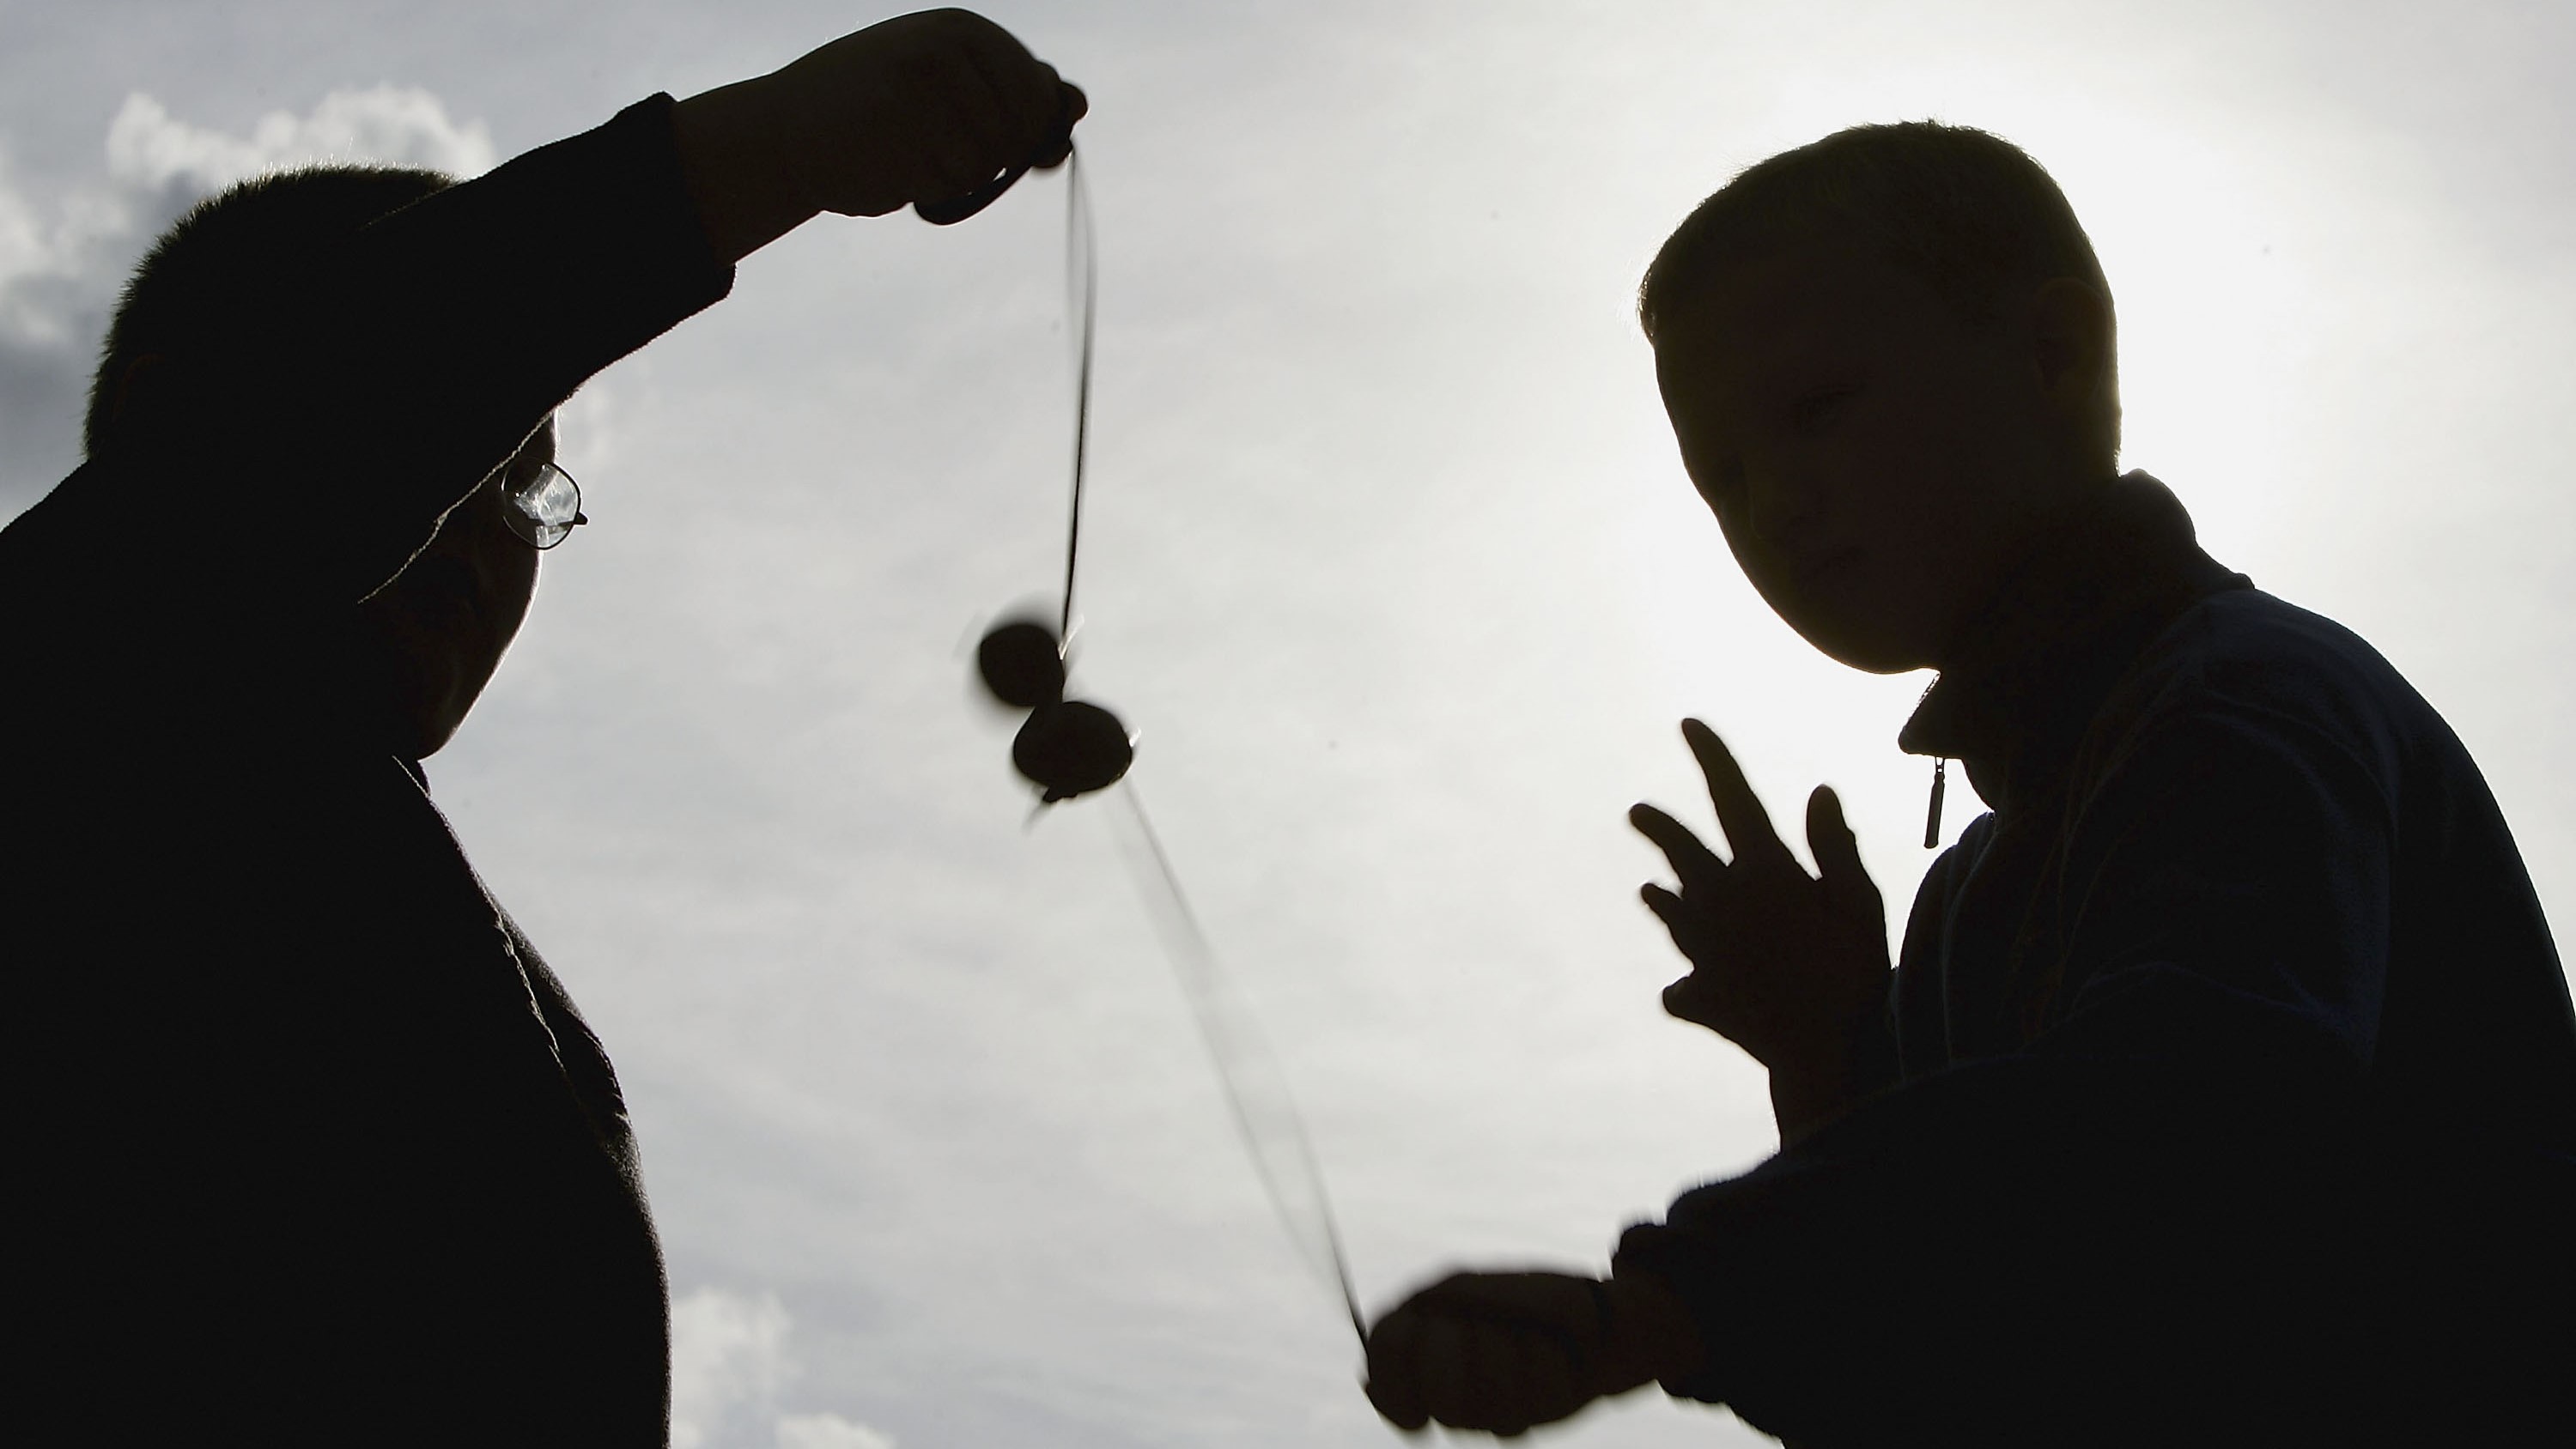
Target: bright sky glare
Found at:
1392, 568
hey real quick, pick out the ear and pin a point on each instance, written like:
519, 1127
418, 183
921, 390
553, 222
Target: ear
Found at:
2071, 342
134, 386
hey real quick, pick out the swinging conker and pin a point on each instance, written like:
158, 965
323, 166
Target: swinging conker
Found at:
1022, 664
1072, 748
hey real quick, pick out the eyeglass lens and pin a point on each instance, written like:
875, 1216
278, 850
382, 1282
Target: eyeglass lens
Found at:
548, 507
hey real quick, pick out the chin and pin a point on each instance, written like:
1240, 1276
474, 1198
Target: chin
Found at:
1872, 660
412, 736
424, 718
425, 743
1860, 643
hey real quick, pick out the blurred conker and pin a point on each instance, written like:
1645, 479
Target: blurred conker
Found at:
1072, 748
1022, 664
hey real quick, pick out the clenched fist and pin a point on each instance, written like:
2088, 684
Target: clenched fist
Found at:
923, 108
1502, 1352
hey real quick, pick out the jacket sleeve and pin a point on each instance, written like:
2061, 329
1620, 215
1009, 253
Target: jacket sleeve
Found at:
2155, 1192
318, 450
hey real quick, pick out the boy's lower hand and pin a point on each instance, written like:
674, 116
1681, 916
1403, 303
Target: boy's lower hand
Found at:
923, 107
1786, 965
1502, 1352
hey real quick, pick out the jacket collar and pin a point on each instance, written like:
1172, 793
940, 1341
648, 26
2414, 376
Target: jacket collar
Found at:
2042, 656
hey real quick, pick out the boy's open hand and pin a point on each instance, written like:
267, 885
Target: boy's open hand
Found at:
921, 108
1502, 1352
1788, 966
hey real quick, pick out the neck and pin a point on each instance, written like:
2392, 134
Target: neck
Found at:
2058, 631
2052, 522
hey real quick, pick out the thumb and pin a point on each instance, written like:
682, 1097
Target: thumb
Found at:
1836, 849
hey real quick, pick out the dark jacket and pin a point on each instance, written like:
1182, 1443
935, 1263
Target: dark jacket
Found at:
307, 1145
2234, 1090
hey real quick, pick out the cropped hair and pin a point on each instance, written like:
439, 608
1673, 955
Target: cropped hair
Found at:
1964, 211
226, 260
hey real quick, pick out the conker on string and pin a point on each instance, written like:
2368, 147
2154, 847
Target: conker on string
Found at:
1022, 664
1072, 748
1066, 747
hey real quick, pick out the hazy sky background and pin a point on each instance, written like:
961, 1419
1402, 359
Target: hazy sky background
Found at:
1392, 568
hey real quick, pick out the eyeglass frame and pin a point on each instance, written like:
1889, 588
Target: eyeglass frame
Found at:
526, 524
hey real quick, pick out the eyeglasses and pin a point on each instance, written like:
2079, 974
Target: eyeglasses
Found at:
544, 510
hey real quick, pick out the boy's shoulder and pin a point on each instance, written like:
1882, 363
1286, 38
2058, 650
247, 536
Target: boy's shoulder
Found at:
2251, 657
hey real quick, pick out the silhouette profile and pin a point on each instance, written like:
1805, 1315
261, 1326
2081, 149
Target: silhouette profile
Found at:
2225, 1088
309, 1145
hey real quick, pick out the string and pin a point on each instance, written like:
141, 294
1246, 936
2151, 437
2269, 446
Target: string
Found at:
1082, 291
1265, 1116
1256, 1090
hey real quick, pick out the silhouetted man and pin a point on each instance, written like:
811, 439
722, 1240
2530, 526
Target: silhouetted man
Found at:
308, 1147
2225, 1091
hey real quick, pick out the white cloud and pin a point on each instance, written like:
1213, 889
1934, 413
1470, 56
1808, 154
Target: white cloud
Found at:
729, 1361
157, 164
827, 1431
728, 1352
402, 125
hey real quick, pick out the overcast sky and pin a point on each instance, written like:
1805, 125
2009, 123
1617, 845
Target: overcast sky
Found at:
1392, 568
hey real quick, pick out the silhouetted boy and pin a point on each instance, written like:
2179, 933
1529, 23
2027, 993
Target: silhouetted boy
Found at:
307, 1146
2225, 1091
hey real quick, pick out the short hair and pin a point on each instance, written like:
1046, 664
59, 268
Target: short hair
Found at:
1964, 211
215, 268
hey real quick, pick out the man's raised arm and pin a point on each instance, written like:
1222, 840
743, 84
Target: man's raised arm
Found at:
302, 458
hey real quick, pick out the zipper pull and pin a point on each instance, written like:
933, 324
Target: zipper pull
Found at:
1932, 817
